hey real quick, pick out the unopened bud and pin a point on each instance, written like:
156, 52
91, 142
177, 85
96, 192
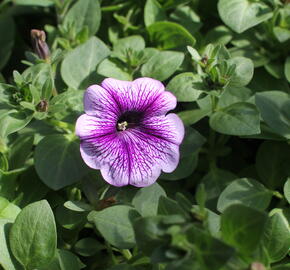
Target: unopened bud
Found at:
42, 106
257, 266
40, 47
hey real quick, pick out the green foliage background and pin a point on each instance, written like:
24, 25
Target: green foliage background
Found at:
225, 207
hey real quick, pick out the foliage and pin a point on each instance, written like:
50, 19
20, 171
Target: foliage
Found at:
226, 206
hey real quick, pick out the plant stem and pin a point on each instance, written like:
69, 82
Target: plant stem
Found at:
126, 253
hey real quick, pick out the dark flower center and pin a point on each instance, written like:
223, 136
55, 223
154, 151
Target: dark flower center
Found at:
129, 119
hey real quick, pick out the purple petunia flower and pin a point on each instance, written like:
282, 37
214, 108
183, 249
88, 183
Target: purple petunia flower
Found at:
126, 133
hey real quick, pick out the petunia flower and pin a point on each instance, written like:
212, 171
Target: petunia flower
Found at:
126, 133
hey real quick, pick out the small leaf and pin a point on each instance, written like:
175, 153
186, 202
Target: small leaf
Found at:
277, 236
126, 46
88, 247
237, 119
115, 225
153, 12
147, 198
33, 235
169, 35
274, 107
247, 192
190, 117
163, 65
58, 161
243, 227
12, 121
241, 15
244, 71
287, 190
8, 210
209, 251
84, 13
7, 260
111, 69
79, 66
185, 86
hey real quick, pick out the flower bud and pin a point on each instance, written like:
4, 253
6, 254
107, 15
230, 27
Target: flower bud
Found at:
40, 47
42, 106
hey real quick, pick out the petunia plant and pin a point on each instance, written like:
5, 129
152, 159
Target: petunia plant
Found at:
144, 135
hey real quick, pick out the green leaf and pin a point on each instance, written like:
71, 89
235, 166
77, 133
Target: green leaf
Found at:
287, 69
272, 163
58, 161
190, 117
88, 246
169, 207
147, 198
186, 16
84, 13
12, 121
7, 260
277, 236
20, 151
163, 65
231, 95
6, 39
124, 47
33, 235
67, 105
282, 34
153, 12
30, 188
247, 192
237, 119
275, 69
209, 251
215, 181
185, 86
287, 190
115, 225
79, 66
169, 35
42, 3
69, 219
274, 108
8, 210
243, 227
241, 15
244, 71
64, 260
112, 69
219, 35
148, 233
78, 206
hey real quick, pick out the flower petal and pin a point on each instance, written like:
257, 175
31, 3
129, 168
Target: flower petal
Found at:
144, 94
99, 102
88, 126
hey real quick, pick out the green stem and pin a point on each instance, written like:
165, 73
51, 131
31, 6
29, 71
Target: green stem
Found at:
126, 253
68, 128
278, 195
110, 251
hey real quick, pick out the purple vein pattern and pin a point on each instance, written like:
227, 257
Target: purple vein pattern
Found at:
126, 133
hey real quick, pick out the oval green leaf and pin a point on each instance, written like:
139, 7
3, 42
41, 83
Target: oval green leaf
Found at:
115, 225
33, 235
58, 161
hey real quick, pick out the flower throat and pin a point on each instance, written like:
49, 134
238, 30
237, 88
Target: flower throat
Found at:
129, 119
